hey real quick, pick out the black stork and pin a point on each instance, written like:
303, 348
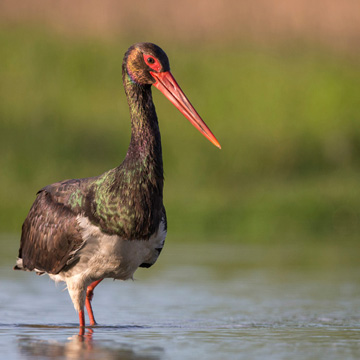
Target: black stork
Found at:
81, 231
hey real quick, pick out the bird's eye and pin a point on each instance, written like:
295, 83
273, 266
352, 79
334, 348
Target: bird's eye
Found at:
151, 60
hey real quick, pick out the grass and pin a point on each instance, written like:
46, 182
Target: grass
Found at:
287, 118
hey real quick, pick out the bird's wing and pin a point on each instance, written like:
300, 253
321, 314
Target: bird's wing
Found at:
50, 233
70, 193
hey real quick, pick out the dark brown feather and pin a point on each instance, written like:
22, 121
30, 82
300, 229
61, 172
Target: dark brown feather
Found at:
50, 234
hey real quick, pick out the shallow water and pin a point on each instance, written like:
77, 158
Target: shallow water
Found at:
198, 302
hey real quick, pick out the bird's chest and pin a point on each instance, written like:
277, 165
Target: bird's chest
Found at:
132, 211
111, 256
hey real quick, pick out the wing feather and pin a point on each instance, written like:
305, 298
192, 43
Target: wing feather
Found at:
50, 233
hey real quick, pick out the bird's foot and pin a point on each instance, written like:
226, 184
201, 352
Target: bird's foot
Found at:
89, 309
89, 297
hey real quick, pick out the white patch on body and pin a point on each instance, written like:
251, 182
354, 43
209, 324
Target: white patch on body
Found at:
20, 265
107, 256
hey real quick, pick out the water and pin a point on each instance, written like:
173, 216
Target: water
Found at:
198, 302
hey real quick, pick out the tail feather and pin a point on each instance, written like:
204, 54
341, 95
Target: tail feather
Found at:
20, 266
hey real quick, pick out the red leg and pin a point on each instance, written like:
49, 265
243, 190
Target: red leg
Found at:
82, 322
89, 296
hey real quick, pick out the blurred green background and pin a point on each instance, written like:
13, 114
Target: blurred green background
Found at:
278, 84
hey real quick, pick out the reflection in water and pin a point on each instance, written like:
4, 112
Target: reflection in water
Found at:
82, 347
209, 302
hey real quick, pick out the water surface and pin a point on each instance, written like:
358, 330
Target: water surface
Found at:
198, 302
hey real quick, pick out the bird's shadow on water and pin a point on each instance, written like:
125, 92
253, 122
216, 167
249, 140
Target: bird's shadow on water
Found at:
82, 345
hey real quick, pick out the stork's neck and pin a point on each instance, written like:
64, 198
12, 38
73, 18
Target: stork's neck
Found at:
144, 151
127, 200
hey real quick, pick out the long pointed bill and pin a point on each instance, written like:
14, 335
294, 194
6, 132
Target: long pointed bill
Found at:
166, 83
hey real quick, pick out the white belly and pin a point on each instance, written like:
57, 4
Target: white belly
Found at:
107, 256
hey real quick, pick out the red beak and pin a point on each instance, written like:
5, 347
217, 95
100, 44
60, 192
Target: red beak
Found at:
166, 83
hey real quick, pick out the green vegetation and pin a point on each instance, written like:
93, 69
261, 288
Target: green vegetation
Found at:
288, 120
